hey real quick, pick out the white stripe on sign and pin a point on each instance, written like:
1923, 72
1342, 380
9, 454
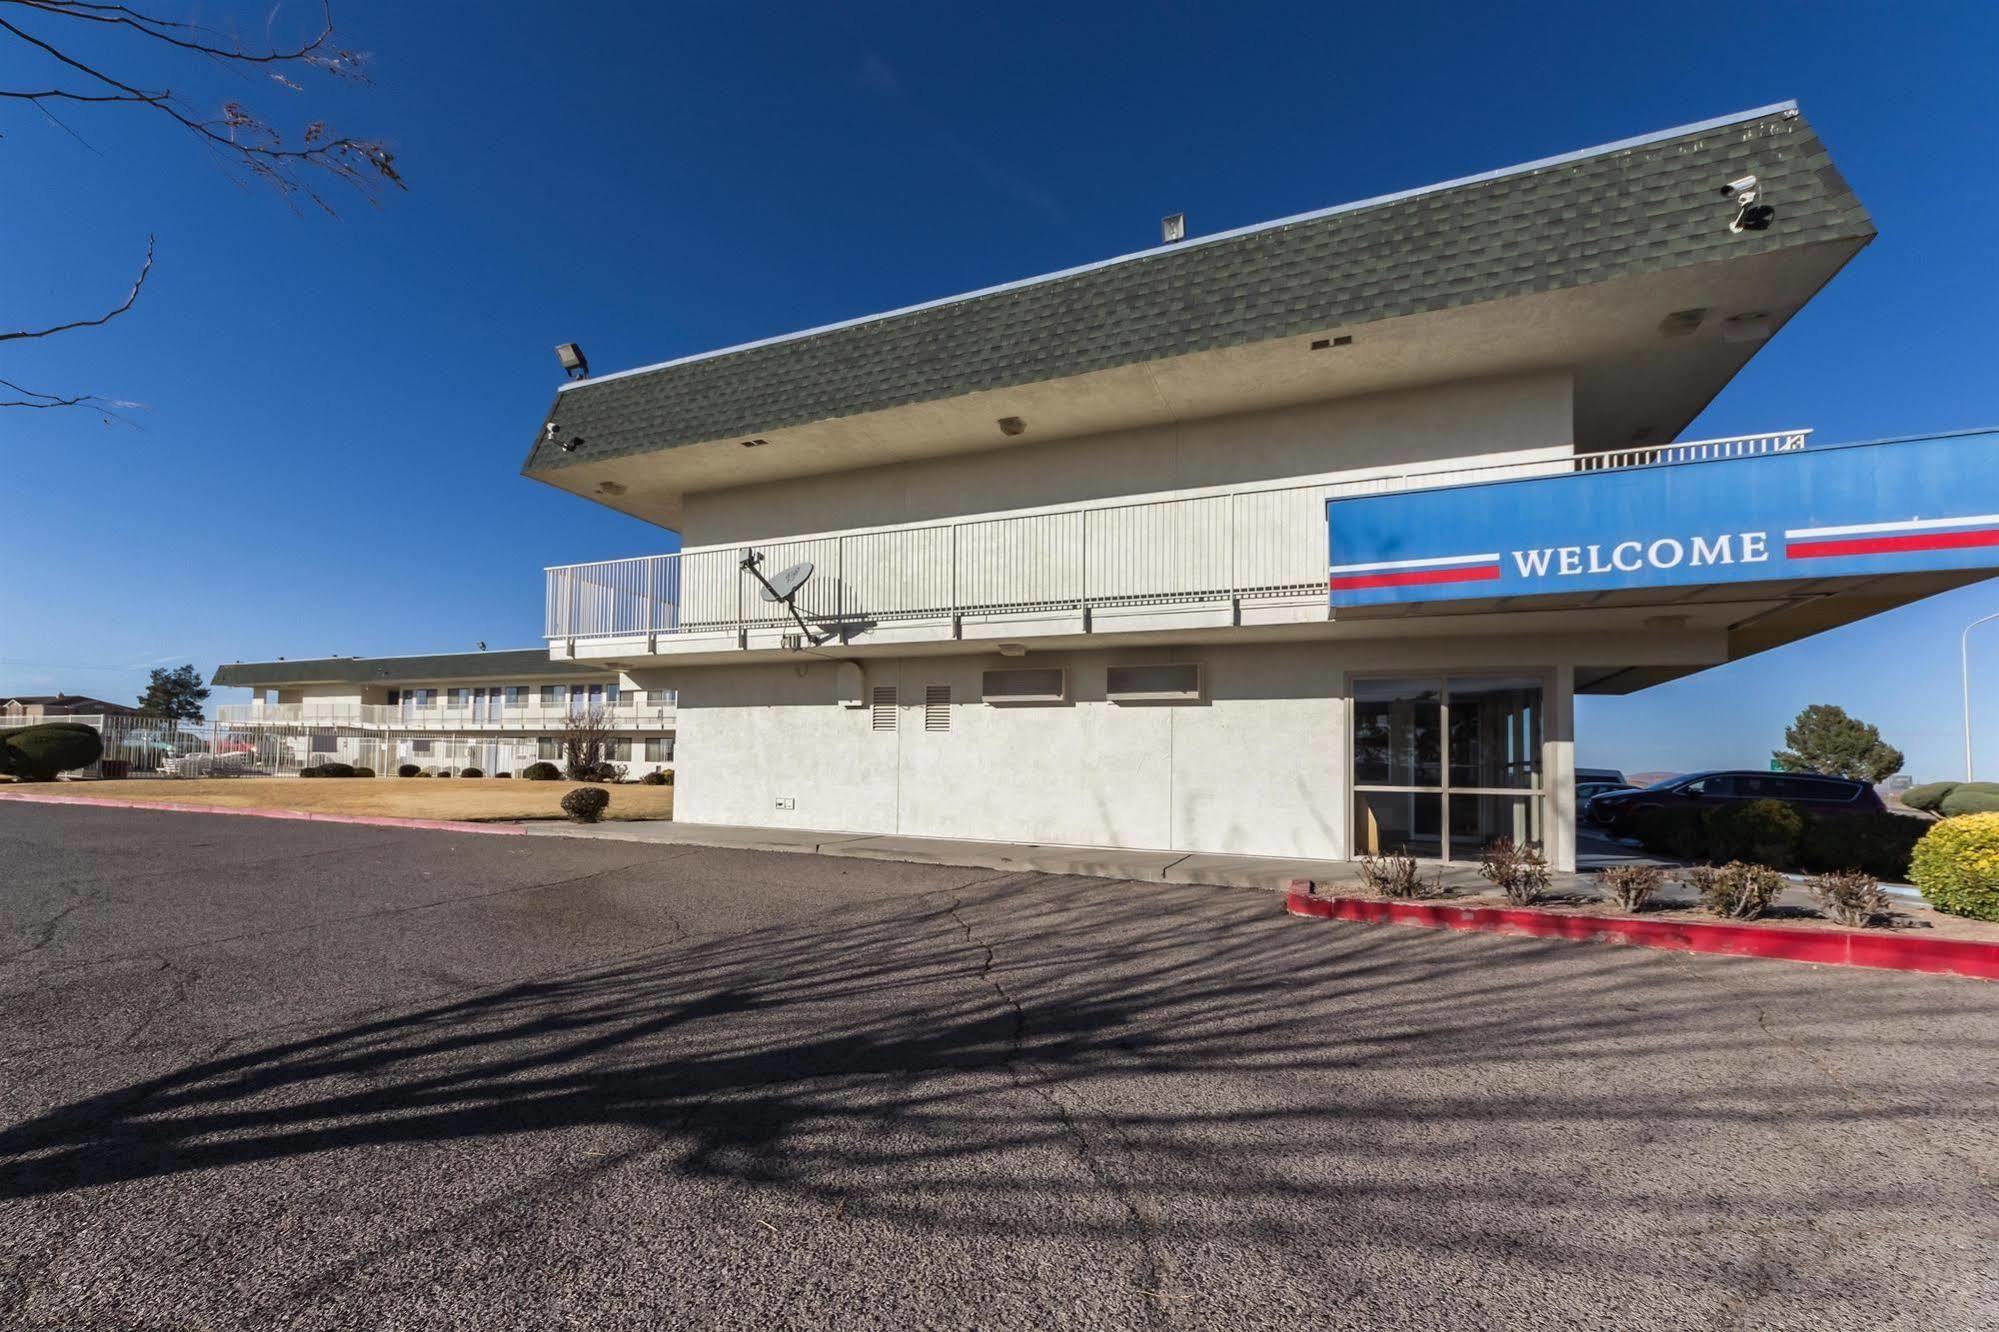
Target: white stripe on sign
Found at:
1437, 563
1914, 525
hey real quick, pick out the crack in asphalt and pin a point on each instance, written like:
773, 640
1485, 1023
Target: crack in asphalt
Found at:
1149, 1278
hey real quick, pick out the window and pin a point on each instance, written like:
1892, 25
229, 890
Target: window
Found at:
551, 695
937, 707
882, 714
420, 746
618, 749
460, 697
1177, 683
1444, 766
547, 747
325, 744
1024, 684
513, 696
661, 698
659, 750
395, 697
611, 695
426, 698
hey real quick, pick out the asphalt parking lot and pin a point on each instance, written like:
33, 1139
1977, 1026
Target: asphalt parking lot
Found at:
258, 1074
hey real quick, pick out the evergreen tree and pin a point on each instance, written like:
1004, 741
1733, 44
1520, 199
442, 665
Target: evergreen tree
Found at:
1825, 739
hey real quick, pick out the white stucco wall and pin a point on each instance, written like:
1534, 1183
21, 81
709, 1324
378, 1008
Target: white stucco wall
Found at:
1471, 418
1259, 766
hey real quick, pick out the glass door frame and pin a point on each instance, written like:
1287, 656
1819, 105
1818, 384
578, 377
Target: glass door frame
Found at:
1541, 791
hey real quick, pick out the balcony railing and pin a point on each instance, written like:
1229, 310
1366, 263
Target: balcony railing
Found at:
528, 720
1242, 546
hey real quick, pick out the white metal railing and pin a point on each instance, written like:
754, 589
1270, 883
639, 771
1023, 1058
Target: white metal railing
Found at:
1696, 450
1243, 545
438, 717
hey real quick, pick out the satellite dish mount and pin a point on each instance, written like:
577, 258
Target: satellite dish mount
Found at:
781, 588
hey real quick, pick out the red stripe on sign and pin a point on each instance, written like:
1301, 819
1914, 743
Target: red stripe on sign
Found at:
1476, 573
1889, 545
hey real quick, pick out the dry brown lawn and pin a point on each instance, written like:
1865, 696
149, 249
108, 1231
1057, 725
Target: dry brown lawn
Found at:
482, 798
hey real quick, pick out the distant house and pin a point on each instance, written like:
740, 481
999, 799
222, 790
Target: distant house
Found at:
22, 707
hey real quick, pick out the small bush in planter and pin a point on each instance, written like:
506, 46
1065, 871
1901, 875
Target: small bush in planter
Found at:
1849, 897
654, 778
471, 772
409, 770
1519, 872
1631, 886
586, 804
541, 772
1396, 874
1736, 890
1957, 866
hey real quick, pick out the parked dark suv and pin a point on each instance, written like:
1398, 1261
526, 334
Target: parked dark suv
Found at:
1802, 790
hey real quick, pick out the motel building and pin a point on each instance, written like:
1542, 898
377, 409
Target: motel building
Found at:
1296, 540
494, 711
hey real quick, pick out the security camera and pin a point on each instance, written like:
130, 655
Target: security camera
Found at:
1742, 188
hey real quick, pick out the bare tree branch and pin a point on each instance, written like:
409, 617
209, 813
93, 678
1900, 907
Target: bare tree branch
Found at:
145, 270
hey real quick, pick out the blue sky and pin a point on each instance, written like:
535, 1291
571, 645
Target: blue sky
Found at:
336, 408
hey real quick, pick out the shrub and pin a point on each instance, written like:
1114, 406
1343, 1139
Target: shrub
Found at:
1631, 886
1396, 875
1957, 866
586, 804
311, 772
364, 771
1971, 798
1519, 872
503, 774
608, 771
1677, 832
471, 772
39, 753
1927, 796
409, 770
1849, 897
1759, 832
1736, 890
541, 772
654, 778
331, 770
1877, 844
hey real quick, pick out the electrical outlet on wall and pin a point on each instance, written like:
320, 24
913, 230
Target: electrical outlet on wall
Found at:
787, 802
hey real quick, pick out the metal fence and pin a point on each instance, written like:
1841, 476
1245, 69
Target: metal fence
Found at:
1254, 544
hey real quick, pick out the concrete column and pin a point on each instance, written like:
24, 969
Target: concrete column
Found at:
1558, 768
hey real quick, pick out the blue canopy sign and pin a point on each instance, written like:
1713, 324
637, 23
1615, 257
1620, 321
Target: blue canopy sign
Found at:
1900, 506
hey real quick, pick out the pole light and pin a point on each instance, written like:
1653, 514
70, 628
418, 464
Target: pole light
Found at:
1964, 669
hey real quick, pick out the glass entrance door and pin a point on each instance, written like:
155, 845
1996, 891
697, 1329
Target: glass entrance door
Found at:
1443, 766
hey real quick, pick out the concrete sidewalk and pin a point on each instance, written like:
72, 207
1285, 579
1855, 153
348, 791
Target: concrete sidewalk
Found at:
1267, 872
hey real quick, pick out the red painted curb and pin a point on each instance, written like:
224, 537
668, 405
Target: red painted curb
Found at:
1847, 948
304, 816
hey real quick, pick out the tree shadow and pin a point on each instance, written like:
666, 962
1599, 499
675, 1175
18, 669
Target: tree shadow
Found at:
1010, 1041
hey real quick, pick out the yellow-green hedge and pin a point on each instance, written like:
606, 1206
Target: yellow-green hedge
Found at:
1957, 866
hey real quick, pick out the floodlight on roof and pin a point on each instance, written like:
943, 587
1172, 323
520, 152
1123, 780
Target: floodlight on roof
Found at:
573, 360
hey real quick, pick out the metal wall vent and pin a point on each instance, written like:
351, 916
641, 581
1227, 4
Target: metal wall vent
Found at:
882, 715
937, 707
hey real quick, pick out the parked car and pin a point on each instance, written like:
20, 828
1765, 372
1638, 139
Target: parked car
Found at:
1612, 775
1588, 791
1806, 791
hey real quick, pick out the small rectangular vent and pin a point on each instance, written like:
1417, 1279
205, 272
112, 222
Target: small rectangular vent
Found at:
1024, 684
937, 707
1176, 683
883, 711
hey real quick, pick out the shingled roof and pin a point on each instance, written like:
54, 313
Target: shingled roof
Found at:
1638, 206
507, 664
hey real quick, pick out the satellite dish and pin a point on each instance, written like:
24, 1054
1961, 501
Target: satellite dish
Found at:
784, 584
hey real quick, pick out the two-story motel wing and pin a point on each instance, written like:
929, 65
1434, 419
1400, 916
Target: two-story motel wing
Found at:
441, 712
1123, 555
